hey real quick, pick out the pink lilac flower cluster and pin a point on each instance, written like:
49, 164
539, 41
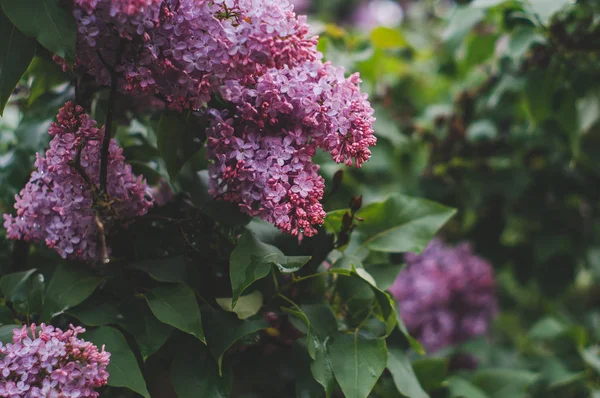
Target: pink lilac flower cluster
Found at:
182, 50
446, 295
59, 204
55, 364
263, 151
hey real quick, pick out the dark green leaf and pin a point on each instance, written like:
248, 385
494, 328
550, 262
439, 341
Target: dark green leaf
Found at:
320, 323
14, 286
461, 388
504, 383
69, 286
16, 53
333, 220
402, 372
52, 25
223, 329
46, 75
247, 305
193, 371
6, 316
176, 140
357, 363
400, 224
176, 305
95, 312
461, 22
6, 333
252, 259
123, 367
170, 270
431, 372
384, 274
591, 356
149, 333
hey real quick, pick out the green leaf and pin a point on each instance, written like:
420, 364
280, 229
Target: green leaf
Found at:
414, 344
540, 88
46, 75
123, 367
169, 270
176, 305
384, 274
357, 363
176, 140
95, 312
252, 259
547, 328
6, 316
546, 8
504, 383
150, 334
591, 356
431, 372
321, 367
193, 371
387, 38
462, 20
400, 224
52, 25
16, 53
320, 323
6, 333
461, 388
247, 305
333, 220
223, 329
69, 286
402, 372
14, 286
35, 294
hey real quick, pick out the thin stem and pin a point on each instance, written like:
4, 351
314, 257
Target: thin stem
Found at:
103, 245
114, 80
290, 302
76, 164
303, 278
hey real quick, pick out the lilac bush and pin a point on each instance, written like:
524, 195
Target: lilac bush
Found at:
51, 363
446, 295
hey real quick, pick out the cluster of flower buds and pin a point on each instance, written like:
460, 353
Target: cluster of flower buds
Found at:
62, 204
446, 295
47, 362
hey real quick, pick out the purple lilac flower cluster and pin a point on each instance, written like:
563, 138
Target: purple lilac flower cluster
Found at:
182, 50
61, 203
55, 364
446, 295
262, 152
259, 56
